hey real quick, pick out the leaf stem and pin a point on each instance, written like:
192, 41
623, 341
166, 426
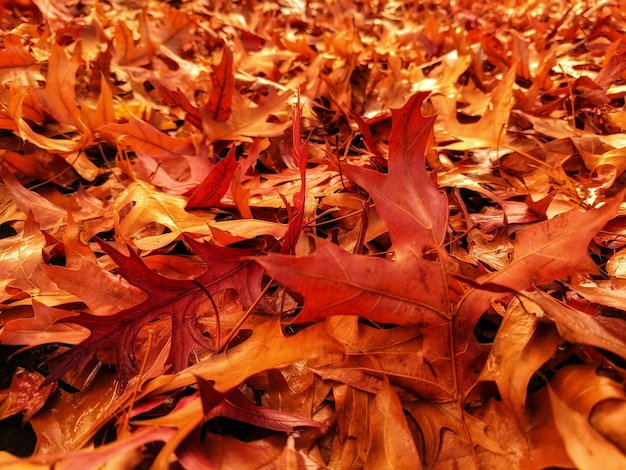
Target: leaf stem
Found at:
242, 320
218, 327
124, 425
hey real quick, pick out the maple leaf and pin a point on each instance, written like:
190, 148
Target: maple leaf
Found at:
178, 299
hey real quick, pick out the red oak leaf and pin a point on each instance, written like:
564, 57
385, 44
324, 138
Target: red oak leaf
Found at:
178, 299
234, 404
299, 152
178, 98
415, 211
416, 285
209, 193
410, 289
219, 106
164, 161
25, 394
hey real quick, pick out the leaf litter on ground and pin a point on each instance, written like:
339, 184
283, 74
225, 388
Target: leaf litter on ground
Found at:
332, 235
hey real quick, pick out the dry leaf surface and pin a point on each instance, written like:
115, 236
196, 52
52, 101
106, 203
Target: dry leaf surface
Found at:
312, 235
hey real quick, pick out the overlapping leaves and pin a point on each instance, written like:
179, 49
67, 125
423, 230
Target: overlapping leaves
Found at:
418, 285
458, 341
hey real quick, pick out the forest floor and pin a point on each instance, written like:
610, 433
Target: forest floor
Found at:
293, 234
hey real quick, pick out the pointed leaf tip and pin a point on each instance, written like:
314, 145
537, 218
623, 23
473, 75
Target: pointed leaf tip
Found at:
414, 209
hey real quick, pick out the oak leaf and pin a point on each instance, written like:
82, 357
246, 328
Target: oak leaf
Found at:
128, 51
416, 286
219, 105
573, 393
409, 289
58, 97
248, 119
49, 216
267, 348
42, 327
72, 420
539, 254
103, 292
392, 445
523, 344
125, 453
234, 404
213, 188
24, 394
415, 211
152, 219
17, 62
578, 327
21, 258
165, 161
490, 130
177, 299
299, 154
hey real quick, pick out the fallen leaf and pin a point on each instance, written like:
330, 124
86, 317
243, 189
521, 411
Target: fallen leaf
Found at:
176, 299
585, 446
391, 443
24, 395
234, 405
248, 119
219, 105
213, 188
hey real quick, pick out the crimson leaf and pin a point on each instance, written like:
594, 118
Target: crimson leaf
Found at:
179, 299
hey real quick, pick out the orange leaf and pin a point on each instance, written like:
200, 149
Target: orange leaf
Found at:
165, 161
25, 394
392, 444
549, 250
219, 106
572, 394
58, 97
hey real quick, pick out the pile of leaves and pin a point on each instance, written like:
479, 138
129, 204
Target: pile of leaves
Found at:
343, 234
